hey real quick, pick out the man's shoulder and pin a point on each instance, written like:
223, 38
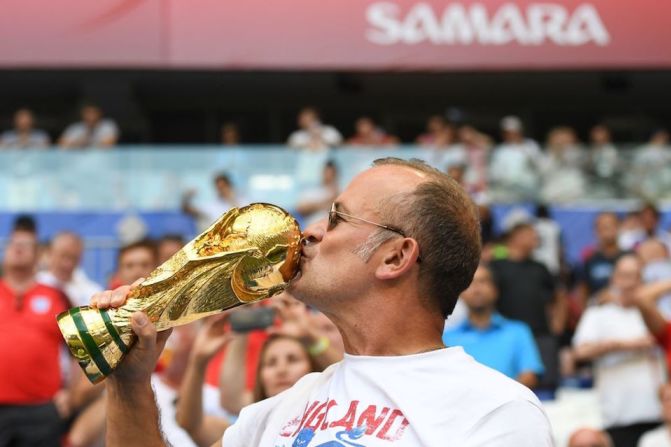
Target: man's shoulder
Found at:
484, 383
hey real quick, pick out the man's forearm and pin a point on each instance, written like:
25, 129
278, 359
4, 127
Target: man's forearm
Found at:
132, 416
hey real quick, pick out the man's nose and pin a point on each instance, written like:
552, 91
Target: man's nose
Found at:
315, 232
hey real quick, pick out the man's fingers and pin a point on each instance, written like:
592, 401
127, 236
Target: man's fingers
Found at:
93, 302
119, 295
111, 298
103, 299
145, 331
147, 337
137, 283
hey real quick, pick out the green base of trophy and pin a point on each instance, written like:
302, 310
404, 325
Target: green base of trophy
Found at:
93, 340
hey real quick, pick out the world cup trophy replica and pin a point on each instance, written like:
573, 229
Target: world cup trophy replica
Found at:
247, 255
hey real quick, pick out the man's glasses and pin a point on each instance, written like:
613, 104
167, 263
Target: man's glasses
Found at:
334, 214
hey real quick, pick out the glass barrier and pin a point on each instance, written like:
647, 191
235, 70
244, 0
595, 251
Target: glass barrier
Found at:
155, 177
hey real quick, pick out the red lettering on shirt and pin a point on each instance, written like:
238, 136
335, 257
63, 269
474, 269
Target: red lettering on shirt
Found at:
305, 416
384, 431
331, 404
289, 427
369, 419
317, 417
347, 421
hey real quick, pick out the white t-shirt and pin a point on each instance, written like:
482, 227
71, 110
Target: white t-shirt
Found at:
549, 247
627, 381
435, 399
658, 437
318, 138
213, 210
81, 135
516, 164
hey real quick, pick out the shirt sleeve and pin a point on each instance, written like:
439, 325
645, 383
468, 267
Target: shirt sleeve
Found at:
519, 423
528, 358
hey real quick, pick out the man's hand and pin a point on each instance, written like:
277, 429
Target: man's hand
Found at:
140, 361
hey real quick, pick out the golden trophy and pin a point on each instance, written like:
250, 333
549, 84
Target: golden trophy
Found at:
247, 255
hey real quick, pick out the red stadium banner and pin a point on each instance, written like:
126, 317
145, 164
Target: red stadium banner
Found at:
336, 34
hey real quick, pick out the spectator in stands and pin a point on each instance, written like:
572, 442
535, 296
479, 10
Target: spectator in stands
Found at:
475, 146
316, 202
283, 360
654, 256
650, 217
33, 405
439, 133
93, 131
24, 135
515, 164
660, 436
135, 261
628, 369
562, 167
650, 173
589, 437
64, 273
25, 222
549, 250
226, 198
368, 133
458, 172
599, 262
230, 134
168, 245
632, 232
528, 292
505, 345
312, 135
603, 164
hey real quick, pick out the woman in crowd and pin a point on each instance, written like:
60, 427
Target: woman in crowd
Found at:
283, 360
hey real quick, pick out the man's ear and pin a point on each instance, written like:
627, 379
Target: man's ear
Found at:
398, 256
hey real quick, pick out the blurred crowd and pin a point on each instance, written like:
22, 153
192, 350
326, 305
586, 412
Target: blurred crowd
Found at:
506, 167
603, 323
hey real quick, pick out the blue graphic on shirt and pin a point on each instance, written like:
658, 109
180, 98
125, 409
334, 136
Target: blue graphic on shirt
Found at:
305, 437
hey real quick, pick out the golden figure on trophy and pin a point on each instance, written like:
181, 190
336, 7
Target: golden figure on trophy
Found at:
247, 255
